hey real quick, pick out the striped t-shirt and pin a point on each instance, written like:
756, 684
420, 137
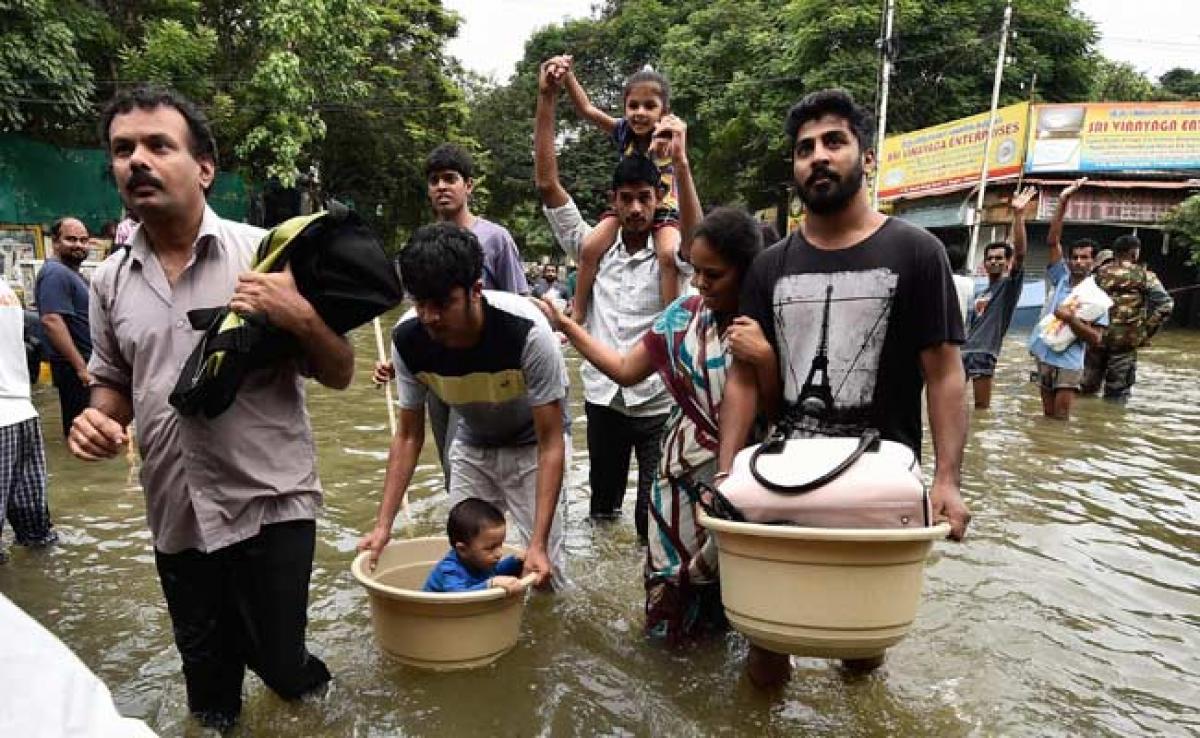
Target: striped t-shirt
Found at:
515, 365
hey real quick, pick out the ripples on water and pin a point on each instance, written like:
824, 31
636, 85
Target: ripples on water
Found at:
1072, 610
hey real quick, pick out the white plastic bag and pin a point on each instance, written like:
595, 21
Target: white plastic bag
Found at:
1090, 303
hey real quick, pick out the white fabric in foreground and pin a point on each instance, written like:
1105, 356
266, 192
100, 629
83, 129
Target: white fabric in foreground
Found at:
45, 690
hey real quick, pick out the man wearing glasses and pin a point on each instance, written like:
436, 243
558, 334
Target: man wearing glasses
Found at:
62, 302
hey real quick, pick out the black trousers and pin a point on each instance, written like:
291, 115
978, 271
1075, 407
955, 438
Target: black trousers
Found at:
72, 395
611, 436
245, 605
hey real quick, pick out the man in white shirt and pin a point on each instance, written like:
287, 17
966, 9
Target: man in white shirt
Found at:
626, 299
22, 457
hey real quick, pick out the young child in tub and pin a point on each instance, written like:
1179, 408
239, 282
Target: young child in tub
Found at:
476, 530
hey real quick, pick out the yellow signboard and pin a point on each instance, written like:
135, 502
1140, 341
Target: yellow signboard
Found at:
952, 153
1116, 137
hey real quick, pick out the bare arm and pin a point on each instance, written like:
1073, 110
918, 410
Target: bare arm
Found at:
585, 108
330, 356
60, 338
946, 385
748, 344
1054, 238
402, 461
547, 424
1020, 203
690, 211
545, 158
737, 412
626, 370
1089, 333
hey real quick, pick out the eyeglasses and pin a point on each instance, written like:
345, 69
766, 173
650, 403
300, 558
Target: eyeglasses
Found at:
76, 240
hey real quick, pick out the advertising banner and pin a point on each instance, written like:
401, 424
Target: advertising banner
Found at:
952, 153
1093, 204
1115, 137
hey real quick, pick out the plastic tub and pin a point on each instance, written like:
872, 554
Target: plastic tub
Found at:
827, 592
441, 631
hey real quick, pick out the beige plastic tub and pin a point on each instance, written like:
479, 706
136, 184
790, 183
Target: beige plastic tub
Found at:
442, 631
826, 592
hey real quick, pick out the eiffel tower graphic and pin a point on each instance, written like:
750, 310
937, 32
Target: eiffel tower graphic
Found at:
816, 397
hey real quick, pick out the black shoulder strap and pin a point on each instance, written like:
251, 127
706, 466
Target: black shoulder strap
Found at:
868, 442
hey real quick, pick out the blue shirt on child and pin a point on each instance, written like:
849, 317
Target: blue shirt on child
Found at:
452, 574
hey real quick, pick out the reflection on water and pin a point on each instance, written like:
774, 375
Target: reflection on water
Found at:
1072, 610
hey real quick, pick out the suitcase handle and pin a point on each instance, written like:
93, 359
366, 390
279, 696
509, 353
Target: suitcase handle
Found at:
868, 442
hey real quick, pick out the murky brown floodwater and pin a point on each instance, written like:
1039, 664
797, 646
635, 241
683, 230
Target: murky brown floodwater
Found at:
1074, 609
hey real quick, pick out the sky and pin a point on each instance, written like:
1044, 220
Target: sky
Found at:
1152, 35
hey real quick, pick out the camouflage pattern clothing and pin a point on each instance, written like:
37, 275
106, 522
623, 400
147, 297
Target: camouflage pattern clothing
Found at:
1140, 304
1140, 307
1114, 371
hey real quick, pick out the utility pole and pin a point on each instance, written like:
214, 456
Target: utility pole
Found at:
1028, 128
987, 144
886, 49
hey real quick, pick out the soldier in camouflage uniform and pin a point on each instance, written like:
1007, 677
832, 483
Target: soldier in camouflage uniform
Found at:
1140, 307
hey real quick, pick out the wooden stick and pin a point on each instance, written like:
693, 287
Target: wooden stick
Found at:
387, 387
391, 406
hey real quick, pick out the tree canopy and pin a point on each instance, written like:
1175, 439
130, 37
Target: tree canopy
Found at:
357, 92
354, 91
1183, 221
736, 66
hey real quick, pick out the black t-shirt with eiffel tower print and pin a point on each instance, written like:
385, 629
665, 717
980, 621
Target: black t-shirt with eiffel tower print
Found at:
848, 326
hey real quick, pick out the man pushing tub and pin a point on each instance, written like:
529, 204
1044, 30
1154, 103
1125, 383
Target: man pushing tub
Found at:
492, 357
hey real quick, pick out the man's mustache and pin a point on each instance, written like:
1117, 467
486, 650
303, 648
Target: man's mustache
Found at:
142, 178
822, 172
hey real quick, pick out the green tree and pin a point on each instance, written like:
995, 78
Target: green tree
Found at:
42, 75
1120, 82
623, 38
374, 150
738, 66
271, 74
1183, 222
171, 52
1181, 84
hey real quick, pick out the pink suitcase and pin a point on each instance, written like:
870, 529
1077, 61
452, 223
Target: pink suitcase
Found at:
829, 483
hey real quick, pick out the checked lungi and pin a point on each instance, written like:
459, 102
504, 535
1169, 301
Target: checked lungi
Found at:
23, 483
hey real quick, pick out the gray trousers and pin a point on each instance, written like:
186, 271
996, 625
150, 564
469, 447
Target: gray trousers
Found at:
444, 421
506, 476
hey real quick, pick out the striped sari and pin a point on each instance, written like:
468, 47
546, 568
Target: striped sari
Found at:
690, 354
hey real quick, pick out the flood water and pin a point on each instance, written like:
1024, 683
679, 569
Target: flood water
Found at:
1072, 609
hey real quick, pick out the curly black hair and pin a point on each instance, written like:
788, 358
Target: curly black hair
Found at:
437, 259
837, 102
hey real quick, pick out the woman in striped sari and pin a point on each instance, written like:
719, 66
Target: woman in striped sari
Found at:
690, 345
